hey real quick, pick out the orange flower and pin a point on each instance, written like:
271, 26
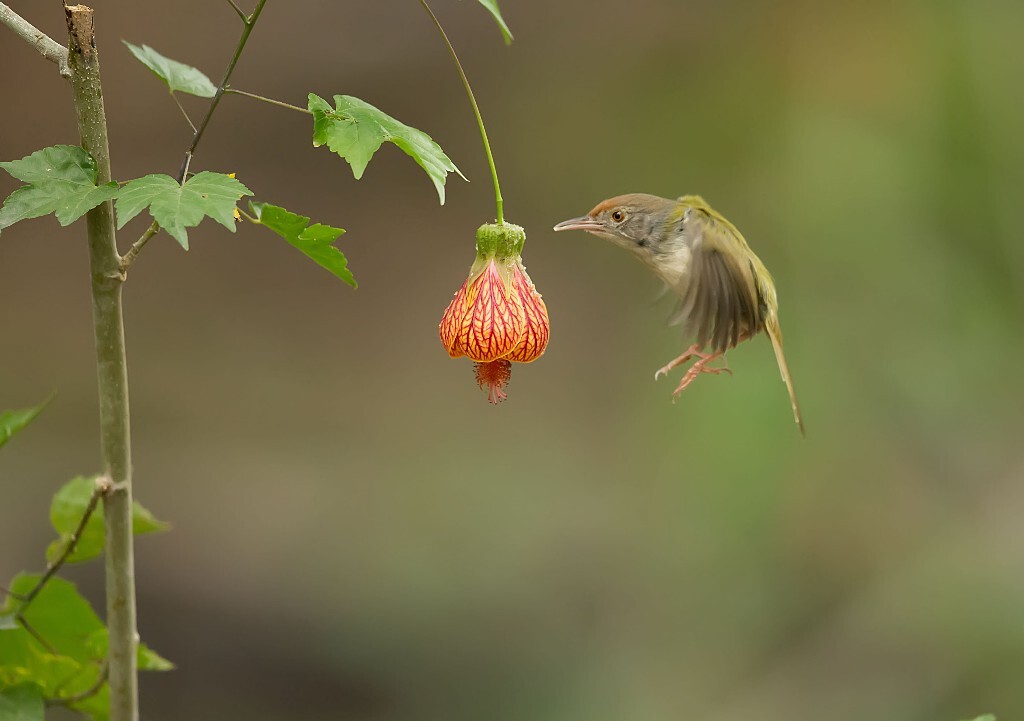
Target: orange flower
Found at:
497, 316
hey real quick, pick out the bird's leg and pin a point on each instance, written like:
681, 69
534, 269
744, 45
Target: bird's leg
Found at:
701, 366
693, 350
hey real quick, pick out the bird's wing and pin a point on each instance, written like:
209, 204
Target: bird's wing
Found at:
721, 302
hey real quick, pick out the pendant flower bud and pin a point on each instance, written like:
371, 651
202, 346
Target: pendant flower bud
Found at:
497, 316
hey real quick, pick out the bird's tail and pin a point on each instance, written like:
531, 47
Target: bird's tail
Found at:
775, 333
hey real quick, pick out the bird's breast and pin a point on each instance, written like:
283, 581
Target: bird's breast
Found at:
673, 267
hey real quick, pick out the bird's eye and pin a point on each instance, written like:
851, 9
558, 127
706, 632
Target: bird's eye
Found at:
618, 216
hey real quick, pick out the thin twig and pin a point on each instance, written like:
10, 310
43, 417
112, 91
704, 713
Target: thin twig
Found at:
47, 46
68, 550
154, 228
130, 256
278, 103
182, 109
242, 15
249, 24
37, 636
79, 697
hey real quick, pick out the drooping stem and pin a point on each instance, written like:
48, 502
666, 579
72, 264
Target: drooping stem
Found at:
476, 111
248, 23
112, 372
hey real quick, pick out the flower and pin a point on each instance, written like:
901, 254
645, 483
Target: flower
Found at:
497, 316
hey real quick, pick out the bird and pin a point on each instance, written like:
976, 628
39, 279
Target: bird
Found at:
726, 294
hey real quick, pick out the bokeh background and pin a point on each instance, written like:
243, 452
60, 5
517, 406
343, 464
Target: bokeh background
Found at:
359, 535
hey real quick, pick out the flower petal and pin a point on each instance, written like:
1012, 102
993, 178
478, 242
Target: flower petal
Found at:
494, 324
537, 327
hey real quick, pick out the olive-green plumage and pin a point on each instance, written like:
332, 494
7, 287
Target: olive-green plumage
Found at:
726, 293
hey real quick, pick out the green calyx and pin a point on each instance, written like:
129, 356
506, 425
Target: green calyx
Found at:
500, 241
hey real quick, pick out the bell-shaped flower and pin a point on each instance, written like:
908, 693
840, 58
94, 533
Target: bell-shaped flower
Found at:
497, 316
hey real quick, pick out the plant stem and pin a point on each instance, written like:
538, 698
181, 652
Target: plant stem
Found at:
112, 372
248, 24
476, 111
278, 103
47, 46
138, 245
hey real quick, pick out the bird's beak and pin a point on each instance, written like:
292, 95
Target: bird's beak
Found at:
584, 222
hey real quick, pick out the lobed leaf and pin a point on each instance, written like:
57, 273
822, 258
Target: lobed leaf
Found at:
13, 421
177, 76
177, 207
23, 702
315, 241
66, 511
492, 8
60, 179
355, 130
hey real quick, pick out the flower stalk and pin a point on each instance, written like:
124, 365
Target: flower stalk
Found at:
476, 111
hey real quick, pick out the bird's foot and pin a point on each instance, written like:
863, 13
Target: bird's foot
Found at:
701, 366
691, 352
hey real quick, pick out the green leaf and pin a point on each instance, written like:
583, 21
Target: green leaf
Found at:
60, 179
66, 511
23, 658
150, 660
986, 717
313, 240
492, 8
23, 702
178, 76
355, 130
13, 421
177, 207
96, 707
60, 615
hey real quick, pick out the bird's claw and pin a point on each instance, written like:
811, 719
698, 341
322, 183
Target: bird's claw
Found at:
701, 366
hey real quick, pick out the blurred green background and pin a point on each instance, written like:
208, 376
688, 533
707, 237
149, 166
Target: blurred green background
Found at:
359, 535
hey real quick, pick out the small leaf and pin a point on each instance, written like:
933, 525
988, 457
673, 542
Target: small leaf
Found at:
492, 8
178, 76
315, 241
13, 421
355, 130
177, 207
60, 179
66, 511
23, 702
146, 658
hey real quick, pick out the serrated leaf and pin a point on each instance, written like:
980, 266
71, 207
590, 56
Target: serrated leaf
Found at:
177, 207
13, 421
23, 702
60, 179
66, 511
492, 8
177, 76
355, 130
315, 241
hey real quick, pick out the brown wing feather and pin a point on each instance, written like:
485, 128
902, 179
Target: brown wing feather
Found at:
720, 306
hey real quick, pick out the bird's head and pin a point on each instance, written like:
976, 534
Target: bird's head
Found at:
638, 222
